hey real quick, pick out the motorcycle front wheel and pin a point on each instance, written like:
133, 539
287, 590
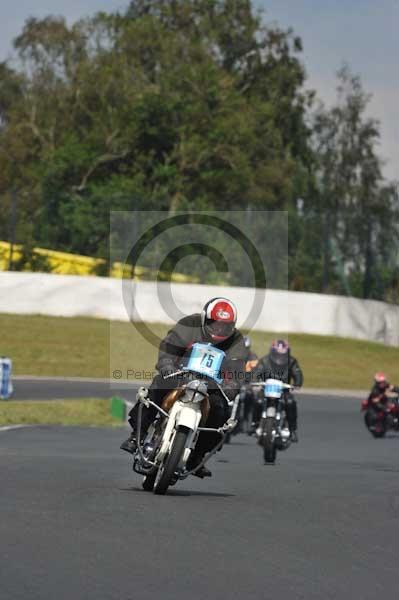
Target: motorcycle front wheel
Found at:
166, 471
269, 446
378, 433
149, 480
377, 429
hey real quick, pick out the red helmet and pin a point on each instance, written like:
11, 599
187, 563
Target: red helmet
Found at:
381, 380
279, 352
218, 319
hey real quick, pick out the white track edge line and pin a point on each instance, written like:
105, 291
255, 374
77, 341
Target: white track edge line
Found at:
10, 427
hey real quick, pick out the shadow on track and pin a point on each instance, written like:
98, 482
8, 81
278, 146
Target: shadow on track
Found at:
182, 493
237, 443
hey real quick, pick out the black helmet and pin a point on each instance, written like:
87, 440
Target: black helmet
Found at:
279, 352
218, 319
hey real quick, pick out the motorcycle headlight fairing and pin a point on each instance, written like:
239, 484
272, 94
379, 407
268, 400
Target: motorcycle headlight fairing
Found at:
195, 391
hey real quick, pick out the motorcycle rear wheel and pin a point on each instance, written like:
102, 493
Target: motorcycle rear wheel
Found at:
269, 446
166, 471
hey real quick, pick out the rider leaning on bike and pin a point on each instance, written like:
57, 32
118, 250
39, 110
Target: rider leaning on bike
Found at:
216, 325
378, 398
280, 364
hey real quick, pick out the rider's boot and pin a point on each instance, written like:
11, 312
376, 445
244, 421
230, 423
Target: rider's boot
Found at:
130, 445
252, 428
291, 412
195, 460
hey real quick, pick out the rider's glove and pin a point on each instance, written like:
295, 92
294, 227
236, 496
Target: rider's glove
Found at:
229, 425
142, 396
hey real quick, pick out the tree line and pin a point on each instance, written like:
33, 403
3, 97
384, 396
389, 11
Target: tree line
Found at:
184, 105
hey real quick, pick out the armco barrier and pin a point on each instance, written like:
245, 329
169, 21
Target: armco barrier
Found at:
64, 263
282, 311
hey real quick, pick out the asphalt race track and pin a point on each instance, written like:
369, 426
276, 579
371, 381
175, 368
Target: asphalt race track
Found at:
322, 524
52, 388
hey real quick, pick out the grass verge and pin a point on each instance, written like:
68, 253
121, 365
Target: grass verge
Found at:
85, 412
87, 347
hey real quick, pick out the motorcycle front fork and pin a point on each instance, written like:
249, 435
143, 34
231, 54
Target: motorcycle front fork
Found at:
149, 447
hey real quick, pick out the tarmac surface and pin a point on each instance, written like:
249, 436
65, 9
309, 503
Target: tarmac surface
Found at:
323, 523
56, 388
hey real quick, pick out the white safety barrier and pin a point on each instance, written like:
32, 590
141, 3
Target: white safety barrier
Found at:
278, 311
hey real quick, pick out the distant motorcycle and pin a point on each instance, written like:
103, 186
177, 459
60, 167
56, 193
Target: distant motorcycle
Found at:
380, 419
243, 406
163, 455
272, 431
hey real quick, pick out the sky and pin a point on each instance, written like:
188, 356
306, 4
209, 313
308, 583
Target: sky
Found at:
364, 33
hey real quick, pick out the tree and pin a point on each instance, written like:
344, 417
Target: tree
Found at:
171, 105
357, 208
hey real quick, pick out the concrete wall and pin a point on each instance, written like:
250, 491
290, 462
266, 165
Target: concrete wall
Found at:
279, 311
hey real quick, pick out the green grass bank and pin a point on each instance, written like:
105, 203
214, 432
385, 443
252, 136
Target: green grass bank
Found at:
85, 412
87, 347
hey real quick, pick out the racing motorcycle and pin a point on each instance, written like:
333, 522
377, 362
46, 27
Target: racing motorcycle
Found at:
163, 455
380, 420
272, 431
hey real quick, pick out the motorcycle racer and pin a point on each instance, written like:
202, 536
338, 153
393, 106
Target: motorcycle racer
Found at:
246, 391
382, 411
280, 364
216, 324
378, 398
251, 358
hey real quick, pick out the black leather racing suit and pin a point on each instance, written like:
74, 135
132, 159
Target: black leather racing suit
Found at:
172, 352
378, 399
290, 373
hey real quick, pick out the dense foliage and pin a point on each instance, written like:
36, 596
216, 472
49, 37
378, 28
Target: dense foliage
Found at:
191, 104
